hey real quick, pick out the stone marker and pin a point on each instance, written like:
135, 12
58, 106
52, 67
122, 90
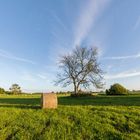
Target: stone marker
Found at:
49, 100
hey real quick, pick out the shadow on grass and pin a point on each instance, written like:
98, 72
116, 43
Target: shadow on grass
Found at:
34, 103
24, 103
21, 106
101, 100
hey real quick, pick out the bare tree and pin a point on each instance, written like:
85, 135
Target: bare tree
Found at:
80, 68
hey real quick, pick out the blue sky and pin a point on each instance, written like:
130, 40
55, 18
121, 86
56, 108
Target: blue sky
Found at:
33, 34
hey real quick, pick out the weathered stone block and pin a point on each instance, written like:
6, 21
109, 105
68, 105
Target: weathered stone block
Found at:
49, 100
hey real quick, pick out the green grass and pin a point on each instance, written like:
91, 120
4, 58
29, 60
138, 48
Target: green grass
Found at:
20, 101
84, 118
133, 100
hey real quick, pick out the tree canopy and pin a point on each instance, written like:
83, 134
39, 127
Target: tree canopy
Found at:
116, 89
2, 91
80, 68
15, 89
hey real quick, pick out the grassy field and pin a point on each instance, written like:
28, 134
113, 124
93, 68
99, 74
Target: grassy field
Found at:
84, 118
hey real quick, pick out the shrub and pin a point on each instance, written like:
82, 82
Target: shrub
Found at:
81, 95
9, 92
107, 91
2, 91
117, 89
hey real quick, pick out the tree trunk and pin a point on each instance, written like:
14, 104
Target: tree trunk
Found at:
75, 89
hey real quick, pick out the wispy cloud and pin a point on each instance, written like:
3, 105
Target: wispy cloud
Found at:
8, 55
26, 76
30, 77
59, 21
137, 24
42, 76
123, 75
89, 14
123, 57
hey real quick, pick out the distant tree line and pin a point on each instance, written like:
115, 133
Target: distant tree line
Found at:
15, 89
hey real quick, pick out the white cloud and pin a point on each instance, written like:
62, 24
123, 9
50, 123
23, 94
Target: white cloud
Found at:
109, 67
123, 75
59, 21
8, 55
122, 57
89, 14
137, 24
48, 77
42, 76
26, 76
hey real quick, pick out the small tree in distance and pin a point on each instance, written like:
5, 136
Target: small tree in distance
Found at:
2, 91
80, 68
116, 89
15, 89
